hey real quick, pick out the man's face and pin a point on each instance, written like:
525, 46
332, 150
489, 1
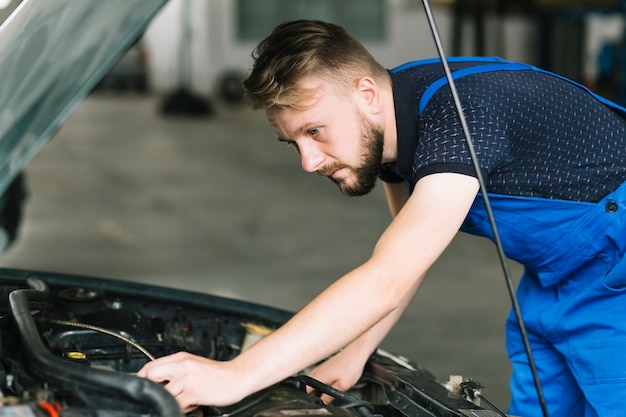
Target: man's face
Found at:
334, 138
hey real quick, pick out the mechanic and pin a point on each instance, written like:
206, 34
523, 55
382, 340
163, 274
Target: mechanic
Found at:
552, 155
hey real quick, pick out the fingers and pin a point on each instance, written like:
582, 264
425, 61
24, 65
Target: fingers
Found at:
327, 399
170, 371
194, 380
186, 402
185, 396
164, 368
335, 375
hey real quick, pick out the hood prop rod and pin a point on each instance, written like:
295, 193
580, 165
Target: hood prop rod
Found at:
483, 189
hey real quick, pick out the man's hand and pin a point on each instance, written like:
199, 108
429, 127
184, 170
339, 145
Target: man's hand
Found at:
340, 371
194, 380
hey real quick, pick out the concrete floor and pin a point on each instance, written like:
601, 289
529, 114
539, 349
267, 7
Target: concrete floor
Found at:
216, 205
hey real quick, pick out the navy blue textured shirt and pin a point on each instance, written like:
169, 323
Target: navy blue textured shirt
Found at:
535, 134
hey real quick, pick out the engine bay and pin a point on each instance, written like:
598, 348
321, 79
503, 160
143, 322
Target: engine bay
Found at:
70, 346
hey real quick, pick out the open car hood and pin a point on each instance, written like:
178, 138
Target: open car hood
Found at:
71, 345
52, 54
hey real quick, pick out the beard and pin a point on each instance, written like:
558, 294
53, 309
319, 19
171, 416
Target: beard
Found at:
366, 173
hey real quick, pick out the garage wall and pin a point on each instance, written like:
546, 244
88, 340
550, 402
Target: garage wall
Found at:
213, 49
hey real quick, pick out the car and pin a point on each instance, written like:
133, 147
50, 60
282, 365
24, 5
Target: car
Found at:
71, 345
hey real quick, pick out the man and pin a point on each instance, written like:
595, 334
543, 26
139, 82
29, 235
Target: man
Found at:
552, 155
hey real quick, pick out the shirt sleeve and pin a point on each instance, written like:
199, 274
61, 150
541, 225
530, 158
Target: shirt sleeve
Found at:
443, 147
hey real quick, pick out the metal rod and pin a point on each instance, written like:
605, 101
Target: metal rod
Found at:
483, 189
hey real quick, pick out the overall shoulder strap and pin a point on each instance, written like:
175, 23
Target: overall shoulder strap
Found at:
453, 59
435, 86
490, 64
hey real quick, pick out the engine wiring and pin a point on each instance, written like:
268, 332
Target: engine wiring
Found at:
471, 390
100, 330
51, 409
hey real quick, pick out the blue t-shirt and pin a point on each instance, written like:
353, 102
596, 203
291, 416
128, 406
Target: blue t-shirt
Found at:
535, 134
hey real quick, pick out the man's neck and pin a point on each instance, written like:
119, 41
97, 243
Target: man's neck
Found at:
390, 150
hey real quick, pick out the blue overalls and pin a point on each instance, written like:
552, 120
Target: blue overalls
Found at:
573, 300
572, 295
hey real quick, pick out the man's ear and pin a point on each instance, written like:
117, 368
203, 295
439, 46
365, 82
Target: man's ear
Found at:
369, 94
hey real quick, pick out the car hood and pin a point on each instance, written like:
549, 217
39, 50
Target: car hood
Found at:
52, 54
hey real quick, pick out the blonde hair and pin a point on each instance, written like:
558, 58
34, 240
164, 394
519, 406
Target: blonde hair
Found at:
303, 48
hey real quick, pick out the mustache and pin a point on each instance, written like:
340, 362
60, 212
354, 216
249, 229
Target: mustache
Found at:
327, 170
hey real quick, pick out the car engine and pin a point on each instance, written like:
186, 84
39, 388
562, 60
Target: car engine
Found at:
70, 346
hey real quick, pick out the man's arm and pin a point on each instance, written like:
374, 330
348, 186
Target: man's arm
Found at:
406, 250
344, 369
397, 195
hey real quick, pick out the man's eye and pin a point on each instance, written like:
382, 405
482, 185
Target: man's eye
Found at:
314, 132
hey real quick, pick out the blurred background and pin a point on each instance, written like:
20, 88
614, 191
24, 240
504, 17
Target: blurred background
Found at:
163, 175
205, 45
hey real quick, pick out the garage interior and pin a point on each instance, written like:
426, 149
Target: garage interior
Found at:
203, 198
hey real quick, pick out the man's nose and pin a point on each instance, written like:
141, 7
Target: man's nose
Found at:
310, 157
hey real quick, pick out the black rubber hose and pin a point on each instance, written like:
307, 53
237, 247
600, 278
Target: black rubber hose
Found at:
42, 363
364, 408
